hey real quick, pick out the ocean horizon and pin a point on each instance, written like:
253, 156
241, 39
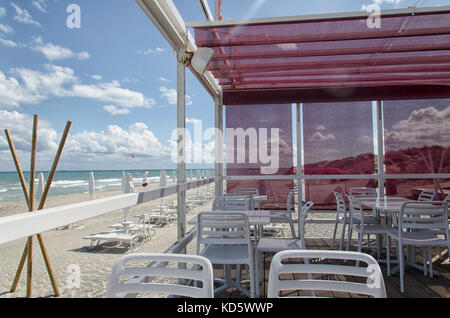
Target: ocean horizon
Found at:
67, 182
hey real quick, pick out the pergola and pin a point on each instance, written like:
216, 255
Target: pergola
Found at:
309, 59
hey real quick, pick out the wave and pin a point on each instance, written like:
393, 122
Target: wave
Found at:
3, 190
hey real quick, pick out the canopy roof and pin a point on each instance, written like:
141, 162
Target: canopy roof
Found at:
331, 58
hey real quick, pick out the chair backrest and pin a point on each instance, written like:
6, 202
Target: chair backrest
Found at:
302, 219
373, 286
253, 191
355, 209
427, 195
425, 215
289, 203
197, 269
233, 203
363, 193
341, 207
223, 228
447, 199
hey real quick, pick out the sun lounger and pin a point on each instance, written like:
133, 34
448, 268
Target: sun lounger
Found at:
114, 236
134, 228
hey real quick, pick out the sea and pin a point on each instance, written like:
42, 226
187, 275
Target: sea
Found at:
77, 182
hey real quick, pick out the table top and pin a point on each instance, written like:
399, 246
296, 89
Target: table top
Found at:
255, 217
386, 204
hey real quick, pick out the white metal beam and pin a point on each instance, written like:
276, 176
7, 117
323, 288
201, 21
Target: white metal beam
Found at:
317, 17
206, 10
169, 22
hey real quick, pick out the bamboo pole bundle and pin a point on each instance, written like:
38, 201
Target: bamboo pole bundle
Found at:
27, 254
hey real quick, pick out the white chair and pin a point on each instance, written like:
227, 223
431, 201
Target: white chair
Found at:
341, 218
358, 224
427, 195
420, 224
225, 237
196, 269
252, 191
277, 244
373, 286
363, 193
232, 204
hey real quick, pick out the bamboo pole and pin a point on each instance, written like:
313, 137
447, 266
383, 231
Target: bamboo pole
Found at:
30, 203
31, 206
42, 203
27, 199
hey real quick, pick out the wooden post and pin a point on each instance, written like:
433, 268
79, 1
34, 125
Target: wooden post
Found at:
29, 198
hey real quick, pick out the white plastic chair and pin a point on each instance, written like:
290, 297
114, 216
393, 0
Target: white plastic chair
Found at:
427, 195
341, 218
373, 286
225, 237
420, 224
232, 204
198, 269
252, 191
358, 224
363, 193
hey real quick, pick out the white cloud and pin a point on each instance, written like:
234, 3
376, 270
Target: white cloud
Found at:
5, 28
318, 136
40, 5
155, 51
163, 79
380, 2
424, 127
170, 96
7, 42
113, 110
2, 12
55, 52
33, 87
96, 77
23, 16
114, 145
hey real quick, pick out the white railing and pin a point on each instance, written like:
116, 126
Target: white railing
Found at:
30, 223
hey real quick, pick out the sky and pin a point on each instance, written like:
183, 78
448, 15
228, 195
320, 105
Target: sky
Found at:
114, 78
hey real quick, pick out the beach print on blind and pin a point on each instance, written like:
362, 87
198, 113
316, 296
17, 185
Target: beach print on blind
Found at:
263, 147
417, 140
337, 139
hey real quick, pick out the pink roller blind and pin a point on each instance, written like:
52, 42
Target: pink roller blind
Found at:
263, 120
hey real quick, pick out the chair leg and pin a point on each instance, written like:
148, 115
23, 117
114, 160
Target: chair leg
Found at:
378, 245
350, 232
360, 238
402, 267
425, 264
388, 254
334, 235
430, 259
341, 245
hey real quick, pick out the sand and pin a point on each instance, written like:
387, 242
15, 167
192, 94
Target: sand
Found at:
69, 252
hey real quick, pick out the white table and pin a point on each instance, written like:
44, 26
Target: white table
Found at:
390, 207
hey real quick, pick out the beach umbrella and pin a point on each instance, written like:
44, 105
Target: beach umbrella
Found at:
144, 179
162, 182
91, 185
128, 188
41, 185
174, 176
162, 179
124, 181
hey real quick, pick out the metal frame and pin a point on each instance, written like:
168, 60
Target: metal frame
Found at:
317, 17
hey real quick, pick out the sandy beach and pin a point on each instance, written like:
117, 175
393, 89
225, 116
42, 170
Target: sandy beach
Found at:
68, 250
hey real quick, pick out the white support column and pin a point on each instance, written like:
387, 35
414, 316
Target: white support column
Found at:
299, 165
380, 144
181, 143
218, 120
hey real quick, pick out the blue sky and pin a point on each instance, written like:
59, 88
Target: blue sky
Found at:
114, 78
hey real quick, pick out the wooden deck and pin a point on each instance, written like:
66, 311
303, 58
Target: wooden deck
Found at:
416, 284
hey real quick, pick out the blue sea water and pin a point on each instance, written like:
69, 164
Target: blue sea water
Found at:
77, 182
